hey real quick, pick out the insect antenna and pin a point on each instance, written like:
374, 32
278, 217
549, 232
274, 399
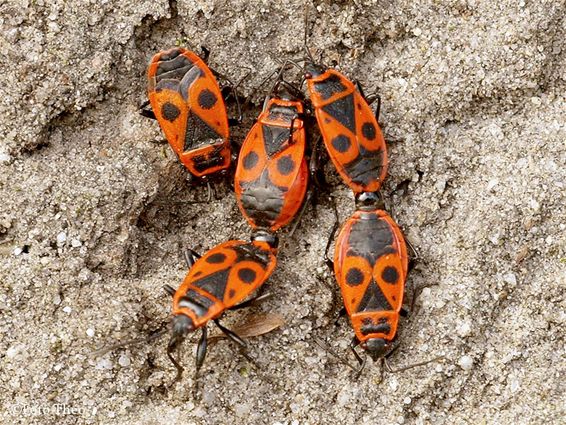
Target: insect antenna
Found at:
305, 35
357, 370
411, 366
135, 341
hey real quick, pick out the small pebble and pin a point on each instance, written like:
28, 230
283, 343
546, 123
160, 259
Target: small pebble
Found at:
344, 397
393, 384
466, 362
534, 204
61, 238
12, 352
104, 363
67, 309
17, 251
242, 410
464, 329
491, 184
124, 361
90, 332
510, 278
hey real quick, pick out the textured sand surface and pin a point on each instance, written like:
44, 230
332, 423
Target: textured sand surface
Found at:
95, 212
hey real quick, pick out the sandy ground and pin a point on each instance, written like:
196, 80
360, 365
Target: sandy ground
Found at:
96, 211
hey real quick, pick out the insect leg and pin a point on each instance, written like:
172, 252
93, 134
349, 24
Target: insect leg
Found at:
239, 341
361, 362
201, 349
370, 99
170, 348
230, 334
146, 112
327, 260
251, 301
169, 289
190, 257
341, 313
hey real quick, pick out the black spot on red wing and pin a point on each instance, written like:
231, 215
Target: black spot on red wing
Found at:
285, 165
329, 87
197, 274
170, 111
247, 275
250, 160
342, 110
327, 120
214, 284
390, 275
341, 143
368, 130
231, 293
216, 258
274, 137
354, 277
374, 300
207, 99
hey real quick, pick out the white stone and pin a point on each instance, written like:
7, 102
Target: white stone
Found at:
510, 278
491, 184
61, 238
104, 363
466, 362
124, 361
12, 351
464, 329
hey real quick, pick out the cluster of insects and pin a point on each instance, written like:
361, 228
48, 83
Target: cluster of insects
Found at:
274, 176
